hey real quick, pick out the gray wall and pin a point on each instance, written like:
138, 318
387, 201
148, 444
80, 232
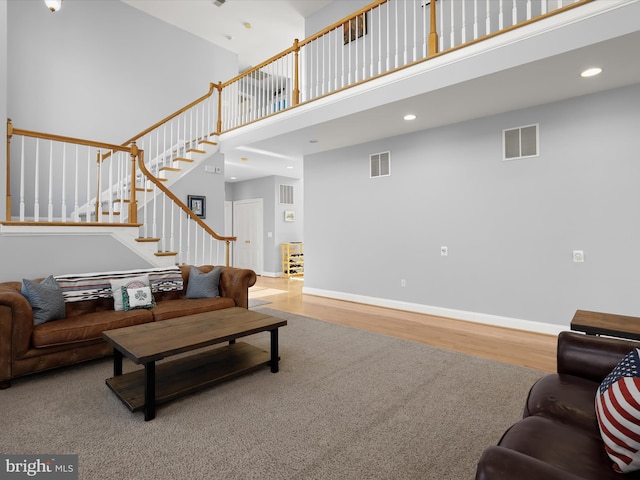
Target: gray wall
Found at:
3, 102
104, 71
267, 188
510, 227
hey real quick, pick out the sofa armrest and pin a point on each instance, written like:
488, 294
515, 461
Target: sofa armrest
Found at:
235, 283
16, 326
498, 463
589, 356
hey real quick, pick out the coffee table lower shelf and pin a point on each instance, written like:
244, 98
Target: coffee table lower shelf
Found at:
189, 374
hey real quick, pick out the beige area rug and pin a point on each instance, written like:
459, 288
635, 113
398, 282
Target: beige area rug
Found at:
346, 405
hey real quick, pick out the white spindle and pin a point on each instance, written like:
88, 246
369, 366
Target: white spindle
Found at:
405, 47
181, 214
36, 203
425, 33
371, 37
441, 29
475, 19
164, 223
50, 199
110, 188
544, 8
76, 205
463, 26
172, 240
89, 210
501, 16
529, 10
452, 30
397, 41
488, 18
188, 239
22, 182
63, 206
380, 39
514, 13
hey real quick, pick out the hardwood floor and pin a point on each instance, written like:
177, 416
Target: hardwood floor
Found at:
516, 347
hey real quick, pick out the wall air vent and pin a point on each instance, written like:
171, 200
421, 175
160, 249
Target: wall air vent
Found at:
521, 142
286, 194
380, 164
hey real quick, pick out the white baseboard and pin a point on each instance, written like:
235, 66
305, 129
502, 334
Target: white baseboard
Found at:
484, 318
271, 274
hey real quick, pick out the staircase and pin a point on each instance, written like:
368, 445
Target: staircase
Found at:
88, 184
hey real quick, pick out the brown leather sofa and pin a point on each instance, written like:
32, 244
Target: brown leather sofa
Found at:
558, 438
25, 348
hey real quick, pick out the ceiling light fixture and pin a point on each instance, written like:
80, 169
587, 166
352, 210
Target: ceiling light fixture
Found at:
53, 5
591, 72
244, 159
410, 116
247, 25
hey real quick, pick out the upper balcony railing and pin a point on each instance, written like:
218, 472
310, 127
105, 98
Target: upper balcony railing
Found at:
381, 38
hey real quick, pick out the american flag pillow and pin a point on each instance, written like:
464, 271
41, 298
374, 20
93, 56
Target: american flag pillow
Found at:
618, 413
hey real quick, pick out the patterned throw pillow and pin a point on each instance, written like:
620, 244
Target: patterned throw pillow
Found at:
618, 412
137, 297
131, 282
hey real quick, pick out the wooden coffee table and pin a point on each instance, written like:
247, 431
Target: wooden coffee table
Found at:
147, 343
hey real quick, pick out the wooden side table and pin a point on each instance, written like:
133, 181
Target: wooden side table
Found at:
596, 323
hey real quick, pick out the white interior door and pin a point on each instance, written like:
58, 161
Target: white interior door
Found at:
248, 227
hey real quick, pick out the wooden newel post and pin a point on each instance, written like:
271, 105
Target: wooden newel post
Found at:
8, 195
219, 126
433, 35
133, 205
296, 81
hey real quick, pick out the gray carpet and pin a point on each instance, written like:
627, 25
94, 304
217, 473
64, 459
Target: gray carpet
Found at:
346, 404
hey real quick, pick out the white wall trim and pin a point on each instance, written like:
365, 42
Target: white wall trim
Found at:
476, 317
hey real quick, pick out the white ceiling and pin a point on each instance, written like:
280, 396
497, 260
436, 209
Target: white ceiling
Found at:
274, 23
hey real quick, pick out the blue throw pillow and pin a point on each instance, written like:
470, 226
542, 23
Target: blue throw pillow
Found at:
203, 285
47, 302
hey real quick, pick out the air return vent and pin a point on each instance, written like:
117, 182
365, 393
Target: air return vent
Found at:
259, 75
380, 164
286, 194
521, 142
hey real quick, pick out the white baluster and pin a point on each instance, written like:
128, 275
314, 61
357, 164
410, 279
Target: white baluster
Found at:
63, 205
204, 245
405, 42
452, 36
164, 145
463, 27
388, 67
396, 63
501, 16
172, 240
354, 45
425, 32
36, 204
529, 10
514, 13
544, 7
441, 29
371, 48
110, 188
88, 208
488, 18
189, 221
50, 200
195, 241
76, 206
181, 214
380, 39
164, 223
22, 182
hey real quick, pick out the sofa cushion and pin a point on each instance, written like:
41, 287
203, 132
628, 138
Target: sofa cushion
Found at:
118, 284
203, 285
563, 446
618, 411
565, 397
167, 309
86, 327
47, 302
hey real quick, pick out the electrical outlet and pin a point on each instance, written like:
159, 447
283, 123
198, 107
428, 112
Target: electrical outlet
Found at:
403, 283
578, 256
444, 251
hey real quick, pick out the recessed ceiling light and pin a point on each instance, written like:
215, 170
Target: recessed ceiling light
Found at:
289, 167
591, 72
247, 25
410, 116
244, 159
233, 178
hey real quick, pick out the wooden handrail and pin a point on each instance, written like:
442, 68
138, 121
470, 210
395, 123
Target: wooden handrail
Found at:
212, 86
78, 141
182, 206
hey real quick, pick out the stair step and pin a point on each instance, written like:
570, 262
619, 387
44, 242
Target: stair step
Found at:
170, 169
180, 159
195, 150
147, 239
107, 213
165, 254
208, 142
119, 200
138, 189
